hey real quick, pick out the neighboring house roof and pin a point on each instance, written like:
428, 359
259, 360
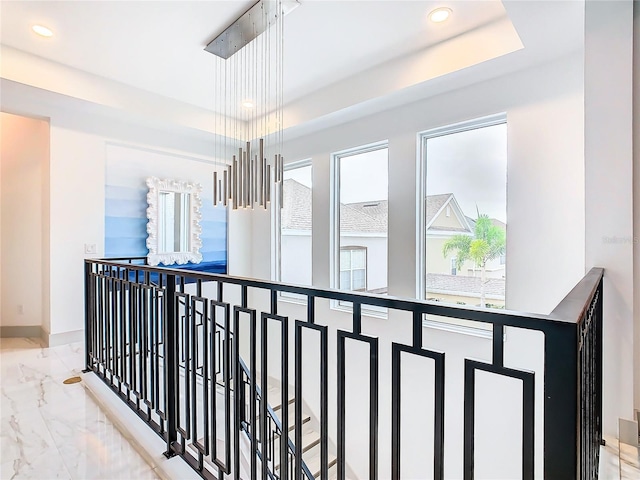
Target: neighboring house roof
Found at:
471, 222
452, 284
498, 223
296, 211
436, 204
369, 217
365, 217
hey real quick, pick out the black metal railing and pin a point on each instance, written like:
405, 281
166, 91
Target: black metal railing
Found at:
168, 342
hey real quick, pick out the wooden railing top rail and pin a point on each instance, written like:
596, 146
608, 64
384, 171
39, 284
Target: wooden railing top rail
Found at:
573, 307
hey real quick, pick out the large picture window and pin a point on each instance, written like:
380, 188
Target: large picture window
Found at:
361, 209
464, 205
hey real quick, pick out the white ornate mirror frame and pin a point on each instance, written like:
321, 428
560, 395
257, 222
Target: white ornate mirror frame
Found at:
191, 251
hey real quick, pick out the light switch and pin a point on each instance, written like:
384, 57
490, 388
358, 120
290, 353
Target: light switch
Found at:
89, 248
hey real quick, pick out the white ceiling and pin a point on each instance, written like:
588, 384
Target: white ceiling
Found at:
157, 46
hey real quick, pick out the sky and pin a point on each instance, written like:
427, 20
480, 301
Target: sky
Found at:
301, 175
364, 177
471, 164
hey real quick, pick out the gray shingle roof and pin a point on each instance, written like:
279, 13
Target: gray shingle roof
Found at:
435, 203
367, 217
470, 285
296, 207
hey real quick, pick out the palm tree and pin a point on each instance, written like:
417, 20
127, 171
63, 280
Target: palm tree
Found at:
488, 242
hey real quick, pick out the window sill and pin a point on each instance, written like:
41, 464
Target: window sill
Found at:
460, 329
372, 312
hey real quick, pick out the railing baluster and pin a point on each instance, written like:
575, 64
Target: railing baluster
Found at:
88, 315
324, 402
311, 309
139, 343
298, 405
357, 318
373, 410
284, 439
341, 408
396, 396
561, 398
171, 344
498, 345
263, 400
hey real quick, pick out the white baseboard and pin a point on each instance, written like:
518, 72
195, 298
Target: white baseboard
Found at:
57, 339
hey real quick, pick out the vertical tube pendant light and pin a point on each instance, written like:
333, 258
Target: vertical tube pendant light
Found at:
248, 105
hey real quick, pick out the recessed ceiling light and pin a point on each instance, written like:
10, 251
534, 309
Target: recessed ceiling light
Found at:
42, 31
248, 104
440, 14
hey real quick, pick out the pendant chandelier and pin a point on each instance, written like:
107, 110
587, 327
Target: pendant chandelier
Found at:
249, 72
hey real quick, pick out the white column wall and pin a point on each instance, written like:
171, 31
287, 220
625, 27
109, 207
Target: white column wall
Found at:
609, 188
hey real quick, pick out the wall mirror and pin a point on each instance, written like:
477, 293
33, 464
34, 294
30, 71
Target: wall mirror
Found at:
174, 222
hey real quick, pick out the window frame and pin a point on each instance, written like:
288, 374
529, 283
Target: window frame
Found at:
421, 242
276, 237
334, 222
335, 203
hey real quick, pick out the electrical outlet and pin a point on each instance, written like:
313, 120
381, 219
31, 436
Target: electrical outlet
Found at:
20, 309
89, 248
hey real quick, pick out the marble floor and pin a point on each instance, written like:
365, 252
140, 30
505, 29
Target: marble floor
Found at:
619, 461
52, 430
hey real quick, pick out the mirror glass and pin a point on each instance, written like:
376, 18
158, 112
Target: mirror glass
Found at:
174, 222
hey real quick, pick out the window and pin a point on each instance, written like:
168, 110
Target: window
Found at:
360, 218
294, 252
463, 206
353, 268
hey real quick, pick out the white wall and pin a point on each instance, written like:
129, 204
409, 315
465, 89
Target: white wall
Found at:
609, 188
544, 107
77, 208
295, 265
78, 141
23, 162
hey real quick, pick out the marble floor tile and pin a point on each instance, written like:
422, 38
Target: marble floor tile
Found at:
619, 461
47, 465
52, 430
